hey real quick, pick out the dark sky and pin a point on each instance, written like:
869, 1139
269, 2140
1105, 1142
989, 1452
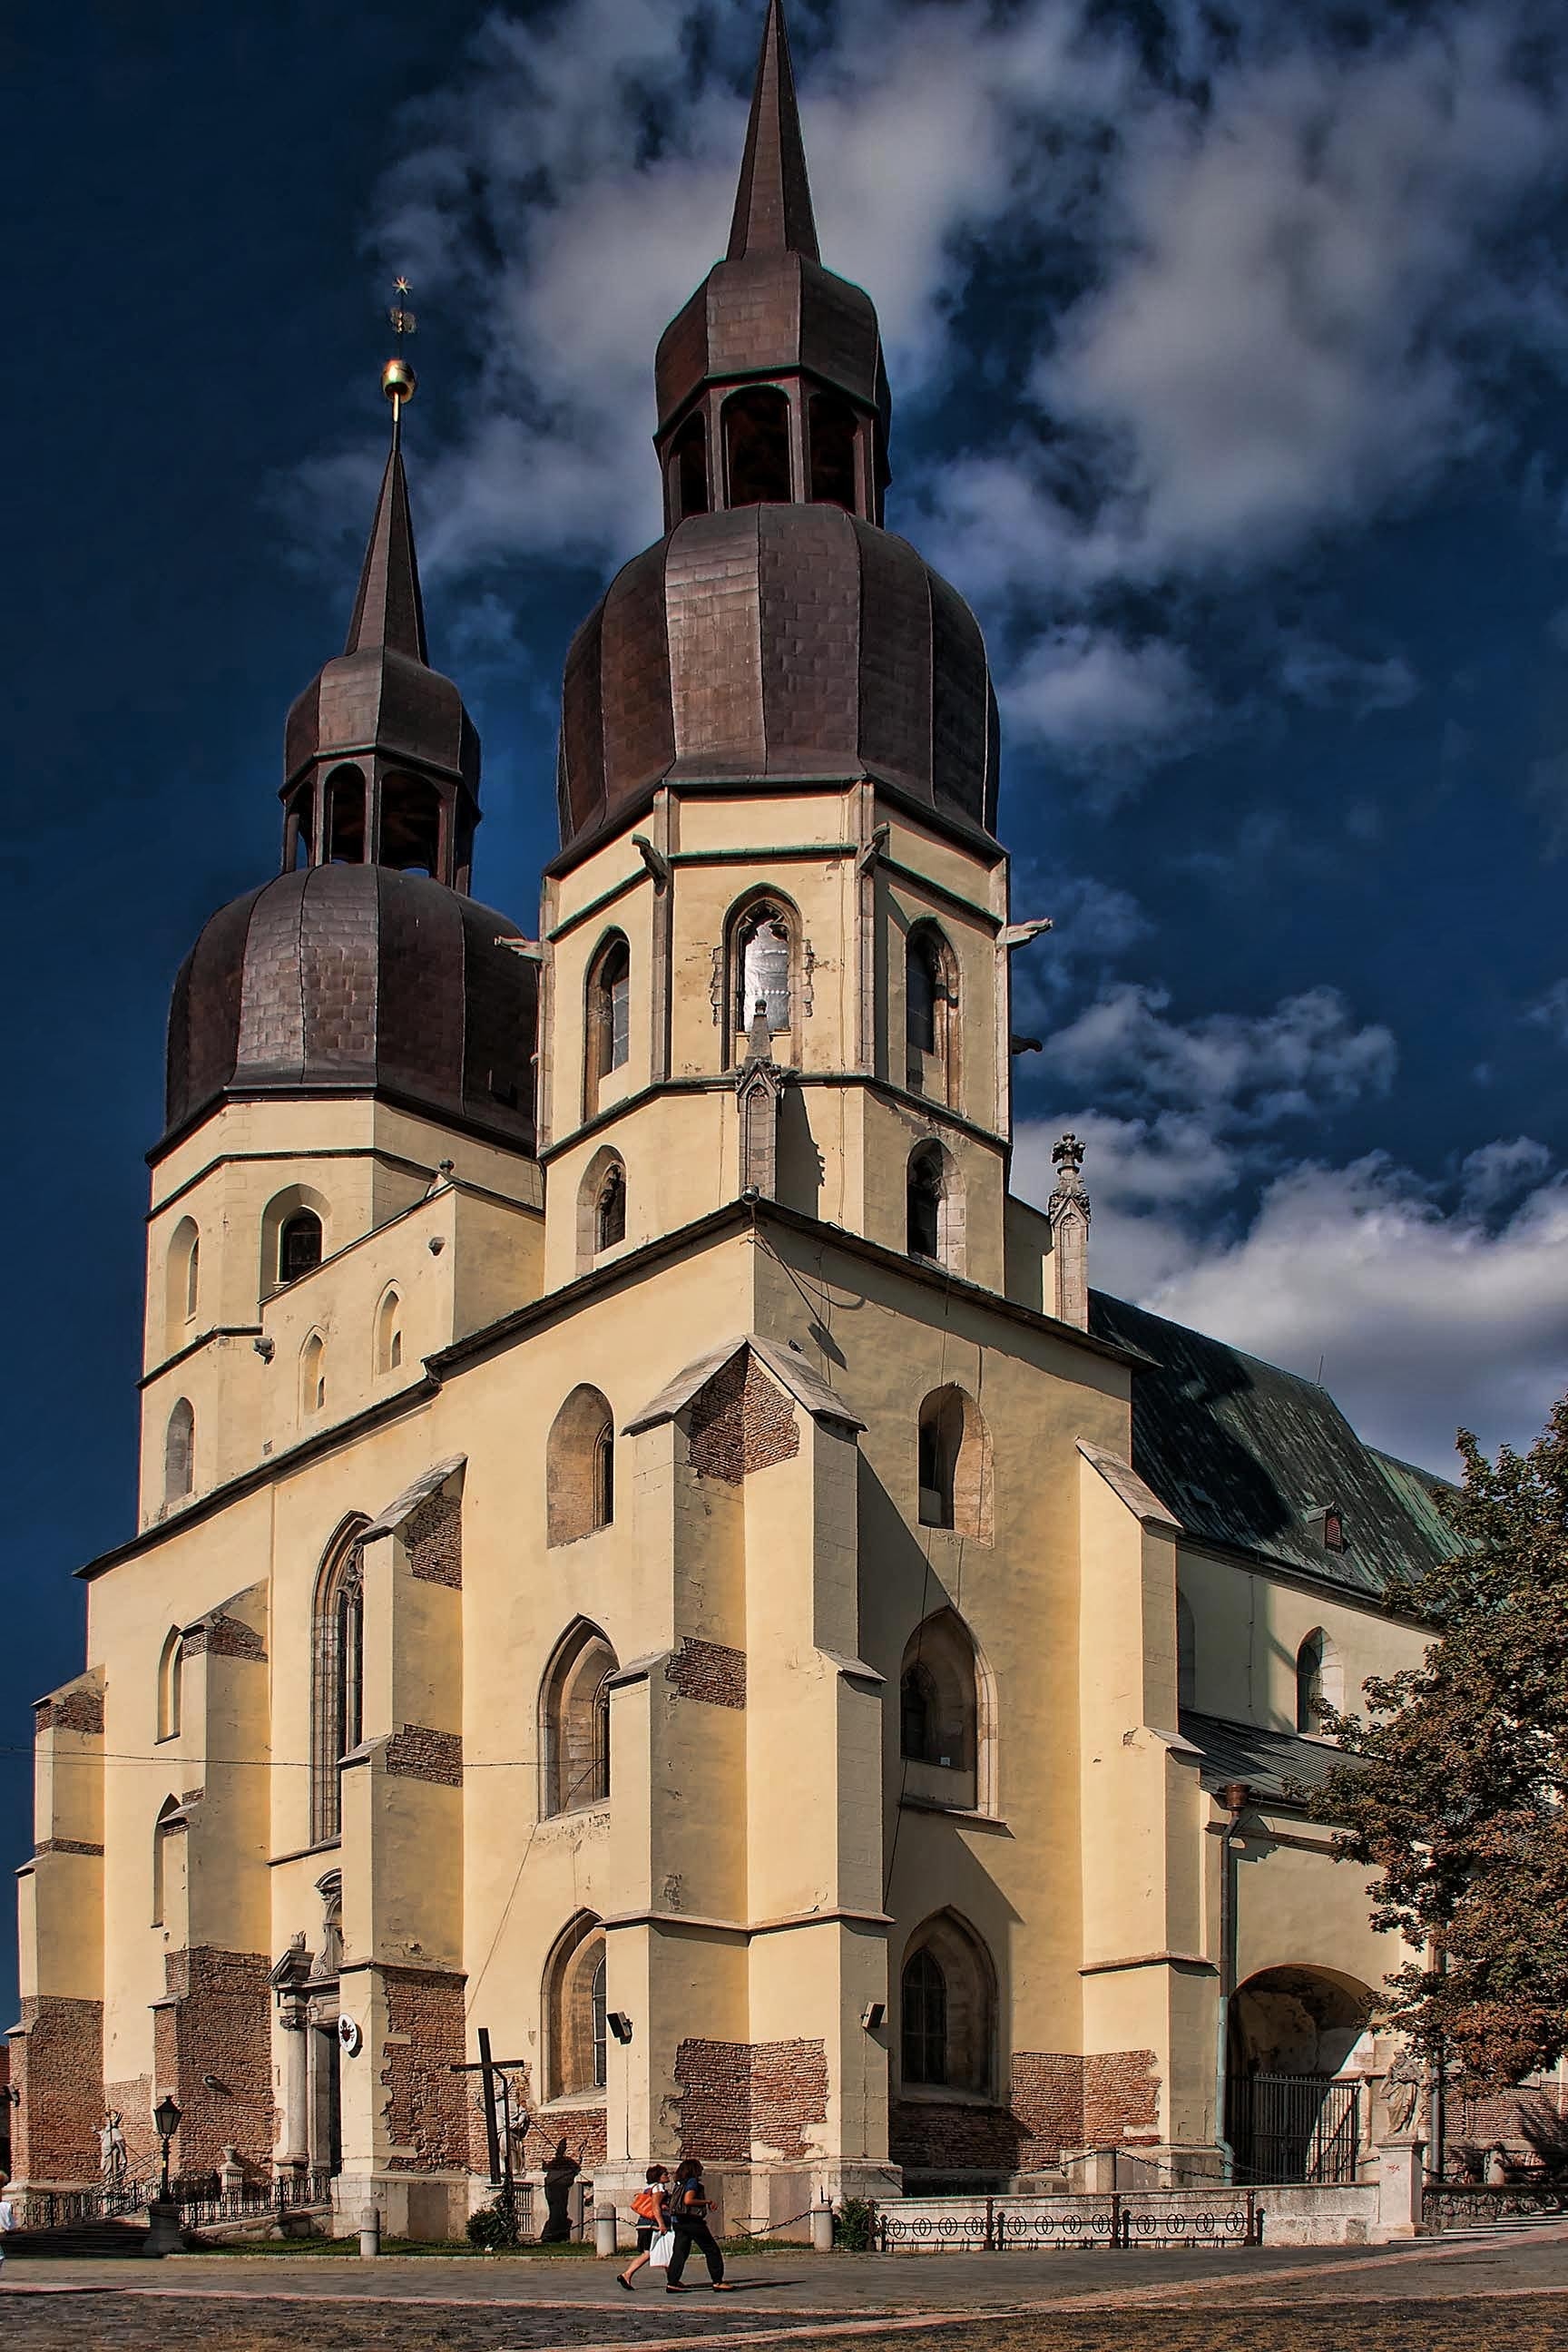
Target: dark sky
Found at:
1274, 581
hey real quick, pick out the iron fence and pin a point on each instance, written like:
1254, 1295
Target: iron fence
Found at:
1120, 2224
200, 2200
1302, 2129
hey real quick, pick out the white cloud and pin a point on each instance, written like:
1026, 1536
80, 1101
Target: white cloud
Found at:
1328, 677
1243, 1072
1080, 691
1550, 1011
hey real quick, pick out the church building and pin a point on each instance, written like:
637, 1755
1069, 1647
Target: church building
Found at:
646, 1546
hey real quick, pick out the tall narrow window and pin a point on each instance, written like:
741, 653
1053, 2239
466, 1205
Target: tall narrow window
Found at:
389, 1333
925, 1204
688, 468
298, 1245
756, 447
338, 1684
947, 2005
834, 429
180, 1453
410, 826
184, 1280
574, 2007
946, 1714
574, 1722
610, 1210
597, 2022
955, 1465
762, 959
345, 817
579, 1468
931, 1014
168, 1860
1320, 1682
170, 1685
313, 1374
924, 2000
609, 1016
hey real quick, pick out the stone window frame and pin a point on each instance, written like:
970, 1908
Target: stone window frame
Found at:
573, 2011
1319, 1681
574, 1758
606, 1162
337, 1674
972, 2007
294, 1201
953, 1472
606, 1025
171, 1684
958, 1695
734, 1014
182, 1280
312, 1374
180, 1452
387, 1345
580, 1467
933, 1171
934, 1070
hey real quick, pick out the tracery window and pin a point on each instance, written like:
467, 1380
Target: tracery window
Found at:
762, 968
931, 1014
947, 2008
338, 1682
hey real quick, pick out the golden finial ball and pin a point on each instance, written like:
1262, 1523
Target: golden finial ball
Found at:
398, 380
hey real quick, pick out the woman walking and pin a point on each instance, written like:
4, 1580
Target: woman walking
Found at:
688, 2219
651, 2206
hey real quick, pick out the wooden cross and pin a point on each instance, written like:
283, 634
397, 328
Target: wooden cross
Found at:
487, 2068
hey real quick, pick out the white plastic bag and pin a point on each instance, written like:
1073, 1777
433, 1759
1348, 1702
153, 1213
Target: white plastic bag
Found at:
662, 2251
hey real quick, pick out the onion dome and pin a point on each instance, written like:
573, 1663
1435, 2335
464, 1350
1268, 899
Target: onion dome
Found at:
776, 634
356, 979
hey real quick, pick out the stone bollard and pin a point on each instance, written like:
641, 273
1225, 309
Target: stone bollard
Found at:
163, 2233
605, 2230
369, 2232
822, 2228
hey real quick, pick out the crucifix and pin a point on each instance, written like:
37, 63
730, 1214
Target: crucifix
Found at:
489, 2070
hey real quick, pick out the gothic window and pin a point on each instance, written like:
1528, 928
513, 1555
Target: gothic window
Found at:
688, 469
574, 2009
168, 1860
337, 1686
601, 1206
389, 1333
574, 1722
580, 1468
345, 817
170, 1685
756, 447
298, 1245
931, 1014
313, 1374
955, 1465
947, 2008
945, 1712
182, 1289
610, 1209
833, 430
1186, 1653
1319, 1681
935, 1207
763, 963
410, 826
180, 1453
609, 1008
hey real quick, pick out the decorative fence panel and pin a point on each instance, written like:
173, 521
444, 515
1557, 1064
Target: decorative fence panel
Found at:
201, 2201
1218, 2217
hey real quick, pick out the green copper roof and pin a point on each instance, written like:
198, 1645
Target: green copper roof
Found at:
1243, 1454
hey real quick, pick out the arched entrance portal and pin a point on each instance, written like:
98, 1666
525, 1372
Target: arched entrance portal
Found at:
1293, 2087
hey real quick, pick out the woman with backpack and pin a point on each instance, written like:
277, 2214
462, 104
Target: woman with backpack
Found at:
688, 2219
651, 2206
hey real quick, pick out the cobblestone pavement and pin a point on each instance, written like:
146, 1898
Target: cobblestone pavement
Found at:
1476, 2295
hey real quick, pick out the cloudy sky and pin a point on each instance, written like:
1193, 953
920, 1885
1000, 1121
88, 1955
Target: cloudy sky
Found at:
1228, 350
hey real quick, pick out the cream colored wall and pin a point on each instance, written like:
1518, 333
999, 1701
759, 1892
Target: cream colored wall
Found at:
1250, 1625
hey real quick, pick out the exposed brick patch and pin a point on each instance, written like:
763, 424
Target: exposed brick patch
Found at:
219, 1636
741, 1420
708, 1671
434, 1537
737, 2094
133, 2102
1120, 2096
931, 2136
1047, 2103
215, 2018
64, 1845
416, 1753
192, 1796
57, 2058
77, 1707
426, 2106
582, 2128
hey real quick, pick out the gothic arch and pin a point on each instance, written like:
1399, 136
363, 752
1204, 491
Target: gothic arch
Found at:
947, 1713
168, 1868
180, 1452
574, 2007
601, 1206
764, 964
574, 1722
1319, 1681
312, 1374
934, 1206
337, 1677
580, 1467
947, 2008
931, 1025
170, 1684
955, 1465
294, 1227
343, 842
182, 1281
388, 1349
607, 1015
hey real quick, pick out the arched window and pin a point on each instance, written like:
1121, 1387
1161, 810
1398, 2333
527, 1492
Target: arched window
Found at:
607, 1027
1186, 1653
762, 968
833, 430
337, 1699
298, 1245
574, 1722
756, 447
574, 2010
931, 1014
313, 1374
389, 1333
300, 830
934, 1214
946, 1712
947, 2008
955, 1465
1319, 1681
410, 826
183, 1286
688, 469
168, 1863
170, 1685
345, 817
180, 1453
579, 1468
601, 1206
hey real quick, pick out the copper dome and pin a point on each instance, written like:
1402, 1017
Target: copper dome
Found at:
343, 978
771, 644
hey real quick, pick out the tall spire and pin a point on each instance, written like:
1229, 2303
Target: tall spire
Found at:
388, 610
772, 203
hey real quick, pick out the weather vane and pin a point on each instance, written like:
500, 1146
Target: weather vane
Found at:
398, 380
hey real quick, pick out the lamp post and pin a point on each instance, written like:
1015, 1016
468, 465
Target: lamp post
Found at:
166, 2117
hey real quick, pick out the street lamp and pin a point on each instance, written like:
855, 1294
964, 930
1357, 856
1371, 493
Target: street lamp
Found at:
166, 2117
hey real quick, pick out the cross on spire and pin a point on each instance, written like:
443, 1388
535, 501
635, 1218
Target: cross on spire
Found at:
772, 203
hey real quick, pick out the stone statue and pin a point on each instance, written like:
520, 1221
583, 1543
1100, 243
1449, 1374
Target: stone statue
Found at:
1402, 2089
559, 2175
111, 2150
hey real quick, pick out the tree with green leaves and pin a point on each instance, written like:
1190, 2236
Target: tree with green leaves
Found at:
1456, 1789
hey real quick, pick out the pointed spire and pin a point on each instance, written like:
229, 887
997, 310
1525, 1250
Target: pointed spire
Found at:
772, 203
388, 610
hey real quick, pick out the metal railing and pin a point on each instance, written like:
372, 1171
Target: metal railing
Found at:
201, 2201
1295, 2128
1223, 2216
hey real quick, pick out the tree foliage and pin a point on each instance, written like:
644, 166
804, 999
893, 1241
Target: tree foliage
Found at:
1456, 1794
